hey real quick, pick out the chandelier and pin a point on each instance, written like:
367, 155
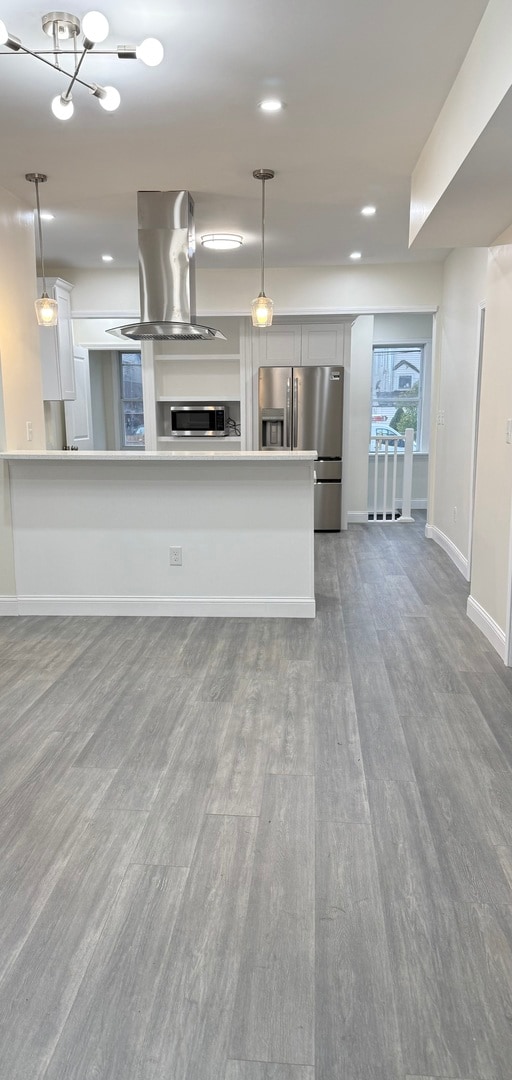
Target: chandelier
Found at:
64, 28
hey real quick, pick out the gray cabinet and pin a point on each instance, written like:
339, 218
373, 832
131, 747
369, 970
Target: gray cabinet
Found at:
57, 366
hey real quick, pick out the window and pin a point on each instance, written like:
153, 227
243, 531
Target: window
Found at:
397, 391
132, 405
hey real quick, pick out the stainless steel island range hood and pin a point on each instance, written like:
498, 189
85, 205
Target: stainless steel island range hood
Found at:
166, 271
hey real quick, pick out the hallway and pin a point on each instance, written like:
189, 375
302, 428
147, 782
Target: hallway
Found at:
261, 849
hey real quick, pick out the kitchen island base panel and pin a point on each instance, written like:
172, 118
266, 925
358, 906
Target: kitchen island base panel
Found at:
92, 535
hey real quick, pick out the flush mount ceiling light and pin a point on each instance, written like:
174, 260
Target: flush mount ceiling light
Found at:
221, 241
63, 27
262, 308
108, 258
46, 309
271, 105
355, 255
369, 211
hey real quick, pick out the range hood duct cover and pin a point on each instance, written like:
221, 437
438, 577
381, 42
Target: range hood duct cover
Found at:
167, 271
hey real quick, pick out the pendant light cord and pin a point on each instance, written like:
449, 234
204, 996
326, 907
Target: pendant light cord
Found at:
40, 237
263, 238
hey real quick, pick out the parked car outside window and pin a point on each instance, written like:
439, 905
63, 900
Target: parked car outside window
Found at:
385, 429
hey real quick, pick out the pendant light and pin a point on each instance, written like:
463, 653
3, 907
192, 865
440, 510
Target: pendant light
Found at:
46, 309
262, 307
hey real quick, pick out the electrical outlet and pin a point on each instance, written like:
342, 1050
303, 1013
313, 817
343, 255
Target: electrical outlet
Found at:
29, 431
508, 431
175, 556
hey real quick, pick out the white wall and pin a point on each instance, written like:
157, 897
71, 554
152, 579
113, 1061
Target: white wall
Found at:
450, 500
313, 290
356, 471
483, 81
492, 516
383, 329
20, 366
99, 418
20, 369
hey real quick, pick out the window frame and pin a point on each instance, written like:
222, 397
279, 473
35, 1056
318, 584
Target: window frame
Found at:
122, 400
423, 436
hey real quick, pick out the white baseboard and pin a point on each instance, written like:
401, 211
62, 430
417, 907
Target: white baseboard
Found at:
278, 607
8, 605
462, 564
481, 618
360, 517
357, 517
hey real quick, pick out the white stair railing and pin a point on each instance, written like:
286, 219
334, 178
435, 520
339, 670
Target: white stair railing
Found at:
388, 506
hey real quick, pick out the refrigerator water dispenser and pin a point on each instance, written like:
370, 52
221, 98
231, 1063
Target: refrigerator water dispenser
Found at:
272, 429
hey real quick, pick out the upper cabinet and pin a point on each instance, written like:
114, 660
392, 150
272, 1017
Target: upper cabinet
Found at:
302, 345
323, 343
58, 369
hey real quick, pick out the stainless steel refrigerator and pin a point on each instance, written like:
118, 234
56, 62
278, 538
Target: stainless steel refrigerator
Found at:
301, 408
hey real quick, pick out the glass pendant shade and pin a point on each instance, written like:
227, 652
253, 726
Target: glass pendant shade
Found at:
46, 311
262, 310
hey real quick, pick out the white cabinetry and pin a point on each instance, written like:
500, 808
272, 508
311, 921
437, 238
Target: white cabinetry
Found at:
303, 344
58, 370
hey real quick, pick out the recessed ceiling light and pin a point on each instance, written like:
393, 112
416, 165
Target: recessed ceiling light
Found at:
47, 216
271, 105
221, 241
355, 255
369, 211
107, 258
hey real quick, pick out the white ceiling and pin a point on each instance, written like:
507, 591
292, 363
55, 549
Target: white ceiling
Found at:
363, 84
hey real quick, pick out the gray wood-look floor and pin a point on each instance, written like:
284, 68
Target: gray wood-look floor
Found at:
261, 850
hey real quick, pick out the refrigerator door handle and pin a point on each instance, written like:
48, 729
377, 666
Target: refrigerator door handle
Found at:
287, 433
295, 412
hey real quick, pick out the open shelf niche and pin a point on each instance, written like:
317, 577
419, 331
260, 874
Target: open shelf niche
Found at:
191, 372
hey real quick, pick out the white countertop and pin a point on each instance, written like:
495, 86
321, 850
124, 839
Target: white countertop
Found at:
126, 456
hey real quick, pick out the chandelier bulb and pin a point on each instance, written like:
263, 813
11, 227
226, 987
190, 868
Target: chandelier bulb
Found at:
62, 107
94, 28
150, 51
108, 97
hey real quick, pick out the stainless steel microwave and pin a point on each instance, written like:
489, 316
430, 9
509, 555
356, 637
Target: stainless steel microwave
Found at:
199, 420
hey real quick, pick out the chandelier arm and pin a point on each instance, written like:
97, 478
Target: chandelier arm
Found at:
69, 52
74, 76
55, 67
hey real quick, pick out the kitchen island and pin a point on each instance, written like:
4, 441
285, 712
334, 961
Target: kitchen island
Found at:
103, 533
